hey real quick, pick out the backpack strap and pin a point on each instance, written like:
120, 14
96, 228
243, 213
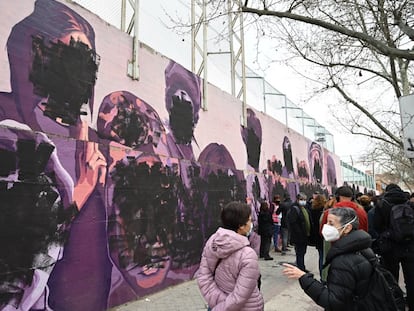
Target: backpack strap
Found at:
370, 256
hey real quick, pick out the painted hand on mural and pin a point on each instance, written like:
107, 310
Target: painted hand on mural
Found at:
91, 165
29, 196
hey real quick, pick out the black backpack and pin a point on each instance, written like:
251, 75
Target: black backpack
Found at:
402, 222
382, 293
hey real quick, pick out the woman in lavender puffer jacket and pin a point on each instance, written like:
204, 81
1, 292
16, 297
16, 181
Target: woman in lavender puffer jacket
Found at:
229, 267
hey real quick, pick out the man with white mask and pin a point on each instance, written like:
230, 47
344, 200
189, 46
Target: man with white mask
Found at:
349, 270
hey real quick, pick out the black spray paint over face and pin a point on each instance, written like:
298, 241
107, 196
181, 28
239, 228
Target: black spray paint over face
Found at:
253, 148
146, 199
275, 166
303, 172
32, 215
317, 170
130, 125
65, 75
181, 119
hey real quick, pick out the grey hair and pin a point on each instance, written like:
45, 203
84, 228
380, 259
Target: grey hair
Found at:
346, 215
301, 195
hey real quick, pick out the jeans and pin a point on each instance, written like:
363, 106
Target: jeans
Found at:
285, 234
320, 251
300, 250
276, 230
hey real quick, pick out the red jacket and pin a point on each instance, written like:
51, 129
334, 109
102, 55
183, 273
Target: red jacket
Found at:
361, 213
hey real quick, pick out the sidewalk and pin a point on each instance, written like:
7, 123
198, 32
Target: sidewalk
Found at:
279, 293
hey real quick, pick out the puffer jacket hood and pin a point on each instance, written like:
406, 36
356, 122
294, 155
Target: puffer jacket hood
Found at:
395, 196
225, 242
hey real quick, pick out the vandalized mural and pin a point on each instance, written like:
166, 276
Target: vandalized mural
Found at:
110, 187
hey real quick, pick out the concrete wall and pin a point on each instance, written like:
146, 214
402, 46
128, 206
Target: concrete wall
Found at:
109, 186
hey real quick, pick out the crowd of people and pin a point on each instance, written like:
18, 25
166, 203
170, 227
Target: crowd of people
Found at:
352, 232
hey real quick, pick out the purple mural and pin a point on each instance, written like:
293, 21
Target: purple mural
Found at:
99, 213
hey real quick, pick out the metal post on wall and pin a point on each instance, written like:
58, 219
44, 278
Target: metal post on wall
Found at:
236, 42
198, 20
237, 58
133, 64
123, 15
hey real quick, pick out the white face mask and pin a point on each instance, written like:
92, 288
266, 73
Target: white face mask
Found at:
331, 234
250, 231
302, 203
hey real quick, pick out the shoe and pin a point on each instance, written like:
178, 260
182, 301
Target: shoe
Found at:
277, 250
283, 253
268, 258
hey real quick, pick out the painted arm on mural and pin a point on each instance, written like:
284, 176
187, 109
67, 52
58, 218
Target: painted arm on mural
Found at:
91, 167
34, 187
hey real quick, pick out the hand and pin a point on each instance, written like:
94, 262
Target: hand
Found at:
92, 166
292, 272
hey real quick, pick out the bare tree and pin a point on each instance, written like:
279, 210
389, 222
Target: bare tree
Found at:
350, 43
360, 51
395, 166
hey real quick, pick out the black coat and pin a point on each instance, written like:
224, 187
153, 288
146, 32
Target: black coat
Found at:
349, 271
315, 238
297, 225
265, 224
383, 210
284, 209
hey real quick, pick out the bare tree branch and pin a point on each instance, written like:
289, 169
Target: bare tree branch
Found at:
369, 115
380, 46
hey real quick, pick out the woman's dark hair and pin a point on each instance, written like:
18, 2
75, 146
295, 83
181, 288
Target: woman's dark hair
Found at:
234, 215
264, 206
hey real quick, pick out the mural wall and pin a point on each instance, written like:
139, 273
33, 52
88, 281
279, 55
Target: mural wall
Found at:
109, 187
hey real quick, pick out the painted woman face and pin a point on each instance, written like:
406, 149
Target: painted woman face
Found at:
126, 119
181, 117
63, 73
182, 101
145, 202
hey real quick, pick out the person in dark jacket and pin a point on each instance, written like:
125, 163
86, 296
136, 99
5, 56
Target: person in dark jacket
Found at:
315, 239
300, 227
265, 230
276, 221
283, 211
349, 269
398, 252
